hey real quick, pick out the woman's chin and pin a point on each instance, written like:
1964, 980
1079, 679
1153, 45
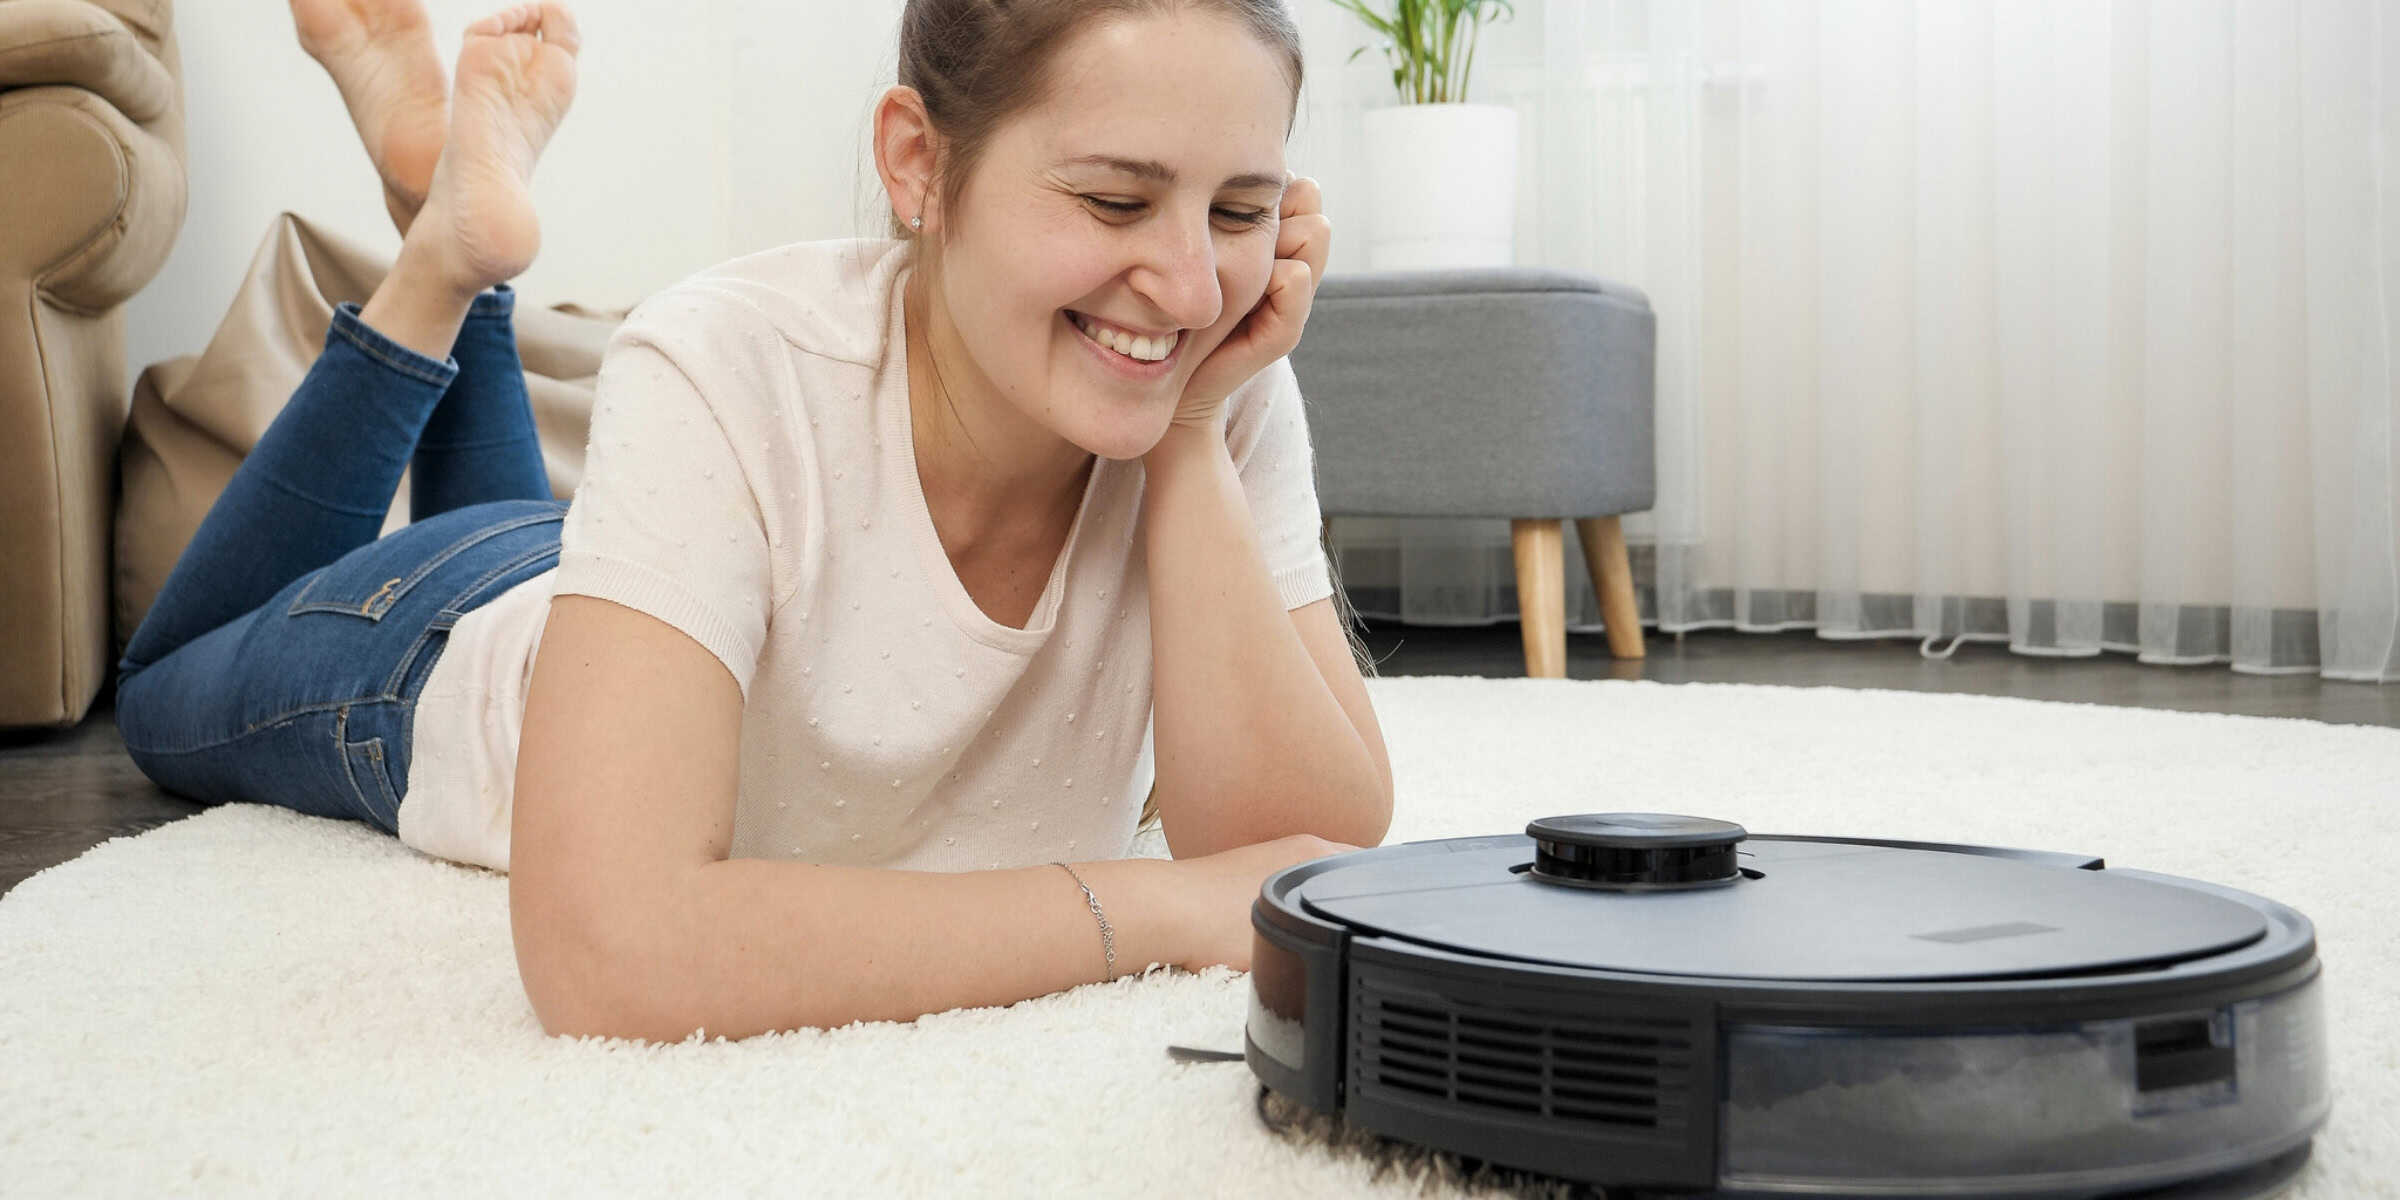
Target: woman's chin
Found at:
1129, 449
1128, 436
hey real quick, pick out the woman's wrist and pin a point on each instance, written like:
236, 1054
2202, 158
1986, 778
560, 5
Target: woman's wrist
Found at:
1184, 444
1137, 895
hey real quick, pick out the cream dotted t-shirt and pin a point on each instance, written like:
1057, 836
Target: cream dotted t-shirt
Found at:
751, 480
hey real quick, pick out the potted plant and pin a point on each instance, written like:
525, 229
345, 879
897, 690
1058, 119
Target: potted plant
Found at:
1442, 173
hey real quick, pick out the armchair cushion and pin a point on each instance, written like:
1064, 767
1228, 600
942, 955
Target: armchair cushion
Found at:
76, 44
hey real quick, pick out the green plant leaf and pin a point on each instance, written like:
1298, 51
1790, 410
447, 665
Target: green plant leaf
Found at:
1374, 20
1423, 42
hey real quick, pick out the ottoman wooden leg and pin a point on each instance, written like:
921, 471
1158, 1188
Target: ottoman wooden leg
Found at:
1603, 541
1542, 595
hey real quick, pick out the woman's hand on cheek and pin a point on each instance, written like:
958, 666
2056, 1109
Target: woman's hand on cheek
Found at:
1270, 330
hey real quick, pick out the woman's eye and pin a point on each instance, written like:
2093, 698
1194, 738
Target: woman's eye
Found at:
1237, 216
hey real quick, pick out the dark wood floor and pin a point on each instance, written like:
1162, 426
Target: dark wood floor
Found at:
62, 792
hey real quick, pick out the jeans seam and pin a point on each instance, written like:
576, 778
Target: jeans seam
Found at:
482, 445
301, 602
544, 550
304, 497
374, 749
520, 560
391, 683
381, 764
256, 726
357, 337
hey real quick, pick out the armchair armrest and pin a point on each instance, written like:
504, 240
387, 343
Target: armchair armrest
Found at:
72, 43
103, 203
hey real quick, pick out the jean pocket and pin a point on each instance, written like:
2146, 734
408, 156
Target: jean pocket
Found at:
371, 782
368, 581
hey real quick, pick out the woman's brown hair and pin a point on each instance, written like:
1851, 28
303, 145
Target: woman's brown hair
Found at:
977, 64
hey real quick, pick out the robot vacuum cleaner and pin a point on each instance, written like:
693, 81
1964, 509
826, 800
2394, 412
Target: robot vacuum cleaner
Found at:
1660, 1005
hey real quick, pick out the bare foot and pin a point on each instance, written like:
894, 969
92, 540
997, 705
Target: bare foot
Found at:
380, 54
514, 81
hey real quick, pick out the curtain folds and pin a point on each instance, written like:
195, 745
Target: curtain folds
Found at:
2058, 323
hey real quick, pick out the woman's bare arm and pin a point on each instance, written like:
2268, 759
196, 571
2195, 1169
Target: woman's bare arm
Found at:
630, 921
1262, 724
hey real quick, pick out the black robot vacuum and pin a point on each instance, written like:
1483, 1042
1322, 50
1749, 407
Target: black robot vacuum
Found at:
1661, 1005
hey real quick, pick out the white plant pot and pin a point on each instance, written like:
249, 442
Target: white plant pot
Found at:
1442, 186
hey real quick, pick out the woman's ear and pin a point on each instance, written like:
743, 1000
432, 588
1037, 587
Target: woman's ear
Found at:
904, 153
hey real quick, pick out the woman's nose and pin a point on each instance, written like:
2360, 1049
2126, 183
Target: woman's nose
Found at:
1183, 272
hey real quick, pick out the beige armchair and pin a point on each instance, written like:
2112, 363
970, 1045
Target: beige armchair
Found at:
91, 198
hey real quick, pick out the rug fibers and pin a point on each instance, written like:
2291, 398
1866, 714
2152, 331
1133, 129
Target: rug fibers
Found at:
251, 1001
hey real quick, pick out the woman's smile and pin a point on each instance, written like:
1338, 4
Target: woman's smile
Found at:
1126, 366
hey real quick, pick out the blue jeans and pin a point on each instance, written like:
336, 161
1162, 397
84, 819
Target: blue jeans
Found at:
282, 659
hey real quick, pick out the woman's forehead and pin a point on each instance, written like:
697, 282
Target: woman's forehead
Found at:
1188, 74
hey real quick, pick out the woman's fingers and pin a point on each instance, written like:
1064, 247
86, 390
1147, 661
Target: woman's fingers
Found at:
1307, 238
1306, 233
1302, 195
1291, 291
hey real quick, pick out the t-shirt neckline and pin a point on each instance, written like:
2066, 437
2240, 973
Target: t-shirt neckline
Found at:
900, 458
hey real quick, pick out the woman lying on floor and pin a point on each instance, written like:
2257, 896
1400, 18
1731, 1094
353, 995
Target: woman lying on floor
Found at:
886, 555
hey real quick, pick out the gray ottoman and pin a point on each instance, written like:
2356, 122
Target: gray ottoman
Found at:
1513, 392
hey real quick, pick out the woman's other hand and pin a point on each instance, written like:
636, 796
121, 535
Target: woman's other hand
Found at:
1215, 892
1303, 239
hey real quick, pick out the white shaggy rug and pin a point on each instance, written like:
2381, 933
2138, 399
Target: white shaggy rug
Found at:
253, 1001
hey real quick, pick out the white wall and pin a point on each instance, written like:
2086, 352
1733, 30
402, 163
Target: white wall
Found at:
699, 132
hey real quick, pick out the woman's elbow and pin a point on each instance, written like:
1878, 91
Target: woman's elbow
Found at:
566, 996
1382, 824
1373, 811
1381, 796
576, 977
581, 1013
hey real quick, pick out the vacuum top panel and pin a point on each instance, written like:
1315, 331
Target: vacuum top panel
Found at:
1802, 911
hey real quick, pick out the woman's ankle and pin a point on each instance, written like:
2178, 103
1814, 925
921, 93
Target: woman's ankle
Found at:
432, 248
422, 301
497, 301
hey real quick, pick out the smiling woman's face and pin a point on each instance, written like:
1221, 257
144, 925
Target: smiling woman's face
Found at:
1036, 238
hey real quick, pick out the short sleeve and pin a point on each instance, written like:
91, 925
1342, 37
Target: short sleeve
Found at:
667, 520
1266, 429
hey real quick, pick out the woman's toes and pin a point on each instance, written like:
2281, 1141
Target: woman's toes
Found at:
551, 21
525, 64
559, 28
520, 18
334, 27
515, 80
380, 54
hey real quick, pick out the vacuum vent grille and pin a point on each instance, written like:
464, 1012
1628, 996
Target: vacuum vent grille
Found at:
1591, 1071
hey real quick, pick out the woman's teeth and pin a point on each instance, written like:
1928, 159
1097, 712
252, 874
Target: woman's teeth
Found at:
1144, 348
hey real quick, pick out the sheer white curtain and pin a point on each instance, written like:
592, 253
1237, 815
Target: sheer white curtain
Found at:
2061, 323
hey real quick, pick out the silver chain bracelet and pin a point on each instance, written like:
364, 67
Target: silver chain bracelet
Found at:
1108, 937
